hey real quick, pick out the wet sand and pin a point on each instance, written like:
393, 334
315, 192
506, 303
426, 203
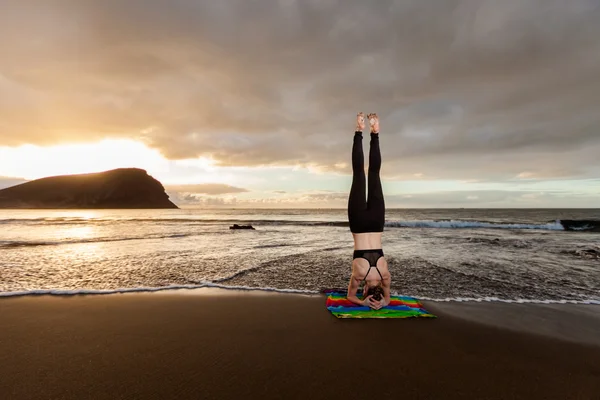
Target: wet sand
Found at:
215, 344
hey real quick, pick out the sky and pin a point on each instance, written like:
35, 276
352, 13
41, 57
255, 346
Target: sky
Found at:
253, 103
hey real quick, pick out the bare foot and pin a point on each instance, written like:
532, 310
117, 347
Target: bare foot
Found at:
360, 122
374, 122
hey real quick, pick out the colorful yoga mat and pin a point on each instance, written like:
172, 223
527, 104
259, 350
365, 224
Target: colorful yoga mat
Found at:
399, 307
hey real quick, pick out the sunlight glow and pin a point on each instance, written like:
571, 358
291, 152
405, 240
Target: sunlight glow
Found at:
34, 162
200, 162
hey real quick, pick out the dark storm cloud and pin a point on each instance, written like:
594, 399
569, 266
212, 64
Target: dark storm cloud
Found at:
466, 89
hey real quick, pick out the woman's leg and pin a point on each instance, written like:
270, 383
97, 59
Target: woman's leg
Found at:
357, 201
375, 202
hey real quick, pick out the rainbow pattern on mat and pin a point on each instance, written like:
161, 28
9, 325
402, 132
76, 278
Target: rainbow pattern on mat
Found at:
399, 307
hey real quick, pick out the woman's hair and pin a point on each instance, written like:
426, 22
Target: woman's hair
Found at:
376, 291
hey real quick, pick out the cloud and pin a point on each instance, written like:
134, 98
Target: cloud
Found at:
199, 200
204, 195
6, 182
437, 199
494, 199
205, 188
467, 90
324, 197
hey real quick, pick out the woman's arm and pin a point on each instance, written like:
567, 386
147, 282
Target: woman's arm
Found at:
386, 284
352, 289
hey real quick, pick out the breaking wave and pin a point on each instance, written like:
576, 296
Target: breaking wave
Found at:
450, 224
18, 243
60, 292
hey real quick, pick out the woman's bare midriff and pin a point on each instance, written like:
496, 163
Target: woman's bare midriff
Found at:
367, 241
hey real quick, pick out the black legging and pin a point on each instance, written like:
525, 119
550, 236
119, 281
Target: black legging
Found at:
366, 215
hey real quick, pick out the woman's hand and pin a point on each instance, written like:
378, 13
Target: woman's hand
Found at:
379, 304
374, 304
369, 302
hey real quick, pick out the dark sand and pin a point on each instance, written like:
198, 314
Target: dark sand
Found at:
194, 345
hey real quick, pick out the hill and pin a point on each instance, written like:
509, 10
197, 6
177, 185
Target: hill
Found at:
117, 188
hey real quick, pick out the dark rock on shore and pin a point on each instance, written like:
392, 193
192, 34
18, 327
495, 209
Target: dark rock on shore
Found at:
581, 225
236, 226
118, 188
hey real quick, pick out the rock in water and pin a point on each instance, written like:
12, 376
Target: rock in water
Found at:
117, 188
236, 226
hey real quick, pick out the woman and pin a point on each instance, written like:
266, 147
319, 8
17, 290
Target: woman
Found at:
366, 217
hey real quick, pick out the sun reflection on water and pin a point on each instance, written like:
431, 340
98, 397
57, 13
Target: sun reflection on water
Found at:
78, 232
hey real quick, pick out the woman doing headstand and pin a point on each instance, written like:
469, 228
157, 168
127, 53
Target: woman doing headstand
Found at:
367, 216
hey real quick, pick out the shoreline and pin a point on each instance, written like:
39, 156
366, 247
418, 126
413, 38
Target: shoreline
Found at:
249, 289
216, 343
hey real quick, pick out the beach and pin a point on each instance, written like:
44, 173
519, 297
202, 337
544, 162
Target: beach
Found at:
432, 254
228, 344
191, 190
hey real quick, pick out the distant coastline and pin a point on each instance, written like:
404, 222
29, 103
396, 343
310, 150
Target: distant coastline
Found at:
125, 188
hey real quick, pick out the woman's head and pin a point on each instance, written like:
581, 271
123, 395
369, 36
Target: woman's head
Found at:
374, 289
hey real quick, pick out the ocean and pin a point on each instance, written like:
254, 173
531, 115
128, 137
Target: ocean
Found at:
512, 255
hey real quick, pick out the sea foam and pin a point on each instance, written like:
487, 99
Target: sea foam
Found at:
63, 292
